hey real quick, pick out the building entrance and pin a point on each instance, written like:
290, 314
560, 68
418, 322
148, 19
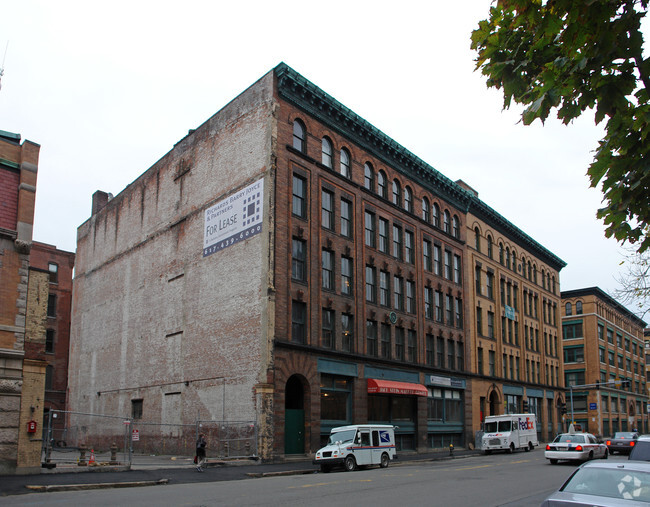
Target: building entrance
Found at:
294, 417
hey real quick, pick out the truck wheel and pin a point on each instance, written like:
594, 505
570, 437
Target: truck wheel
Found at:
350, 464
530, 446
511, 449
384, 460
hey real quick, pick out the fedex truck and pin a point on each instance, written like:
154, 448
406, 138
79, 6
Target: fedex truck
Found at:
509, 432
358, 445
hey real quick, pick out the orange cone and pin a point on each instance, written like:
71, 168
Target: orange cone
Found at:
91, 461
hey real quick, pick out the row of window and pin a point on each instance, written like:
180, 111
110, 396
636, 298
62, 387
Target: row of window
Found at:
577, 378
574, 330
511, 368
508, 259
378, 182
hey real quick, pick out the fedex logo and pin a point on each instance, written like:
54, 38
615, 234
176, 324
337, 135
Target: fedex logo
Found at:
525, 424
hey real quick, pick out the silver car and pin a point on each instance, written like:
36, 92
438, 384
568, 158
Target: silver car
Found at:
611, 484
575, 447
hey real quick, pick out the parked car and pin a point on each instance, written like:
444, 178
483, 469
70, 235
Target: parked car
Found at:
575, 447
641, 451
598, 483
622, 442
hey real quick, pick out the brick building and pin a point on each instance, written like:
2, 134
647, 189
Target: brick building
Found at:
21, 378
603, 342
54, 344
286, 263
514, 298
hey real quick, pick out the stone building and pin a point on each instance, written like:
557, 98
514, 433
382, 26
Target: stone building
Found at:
285, 263
603, 343
21, 378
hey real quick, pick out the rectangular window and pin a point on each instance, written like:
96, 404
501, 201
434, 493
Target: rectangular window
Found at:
574, 378
370, 229
610, 336
399, 343
411, 346
398, 292
346, 276
397, 242
438, 302
384, 288
371, 337
298, 260
490, 324
575, 355
383, 235
54, 272
491, 362
346, 218
479, 357
477, 279
136, 409
384, 350
51, 305
429, 352
572, 330
328, 337
489, 284
298, 321
440, 352
336, 393
410, 296
451, 363
428, 302
408, 247
448, 266
460, 356
457, 271
327, 210
459, 313
347, 332
371, 285
49, 341
449, 309
437, 260
479, 321
426, 255
299, 196
328, 269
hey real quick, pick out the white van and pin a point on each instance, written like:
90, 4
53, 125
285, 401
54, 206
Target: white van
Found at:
509, 432
359, 444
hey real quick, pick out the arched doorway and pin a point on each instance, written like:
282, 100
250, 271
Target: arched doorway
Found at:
294, 416
494, 403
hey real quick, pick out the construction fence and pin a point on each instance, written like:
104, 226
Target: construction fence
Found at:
114, 439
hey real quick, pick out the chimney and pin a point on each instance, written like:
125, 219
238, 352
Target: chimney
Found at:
100, 199
466, 187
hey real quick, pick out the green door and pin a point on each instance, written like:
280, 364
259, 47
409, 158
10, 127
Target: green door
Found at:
294, 431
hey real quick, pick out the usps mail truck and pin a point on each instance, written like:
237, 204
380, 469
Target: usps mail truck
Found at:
509, 432
358, 445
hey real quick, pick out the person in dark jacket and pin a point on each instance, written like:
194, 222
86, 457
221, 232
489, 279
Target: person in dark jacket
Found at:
200, 452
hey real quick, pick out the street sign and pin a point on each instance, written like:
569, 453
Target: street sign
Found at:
592, 406
135, 436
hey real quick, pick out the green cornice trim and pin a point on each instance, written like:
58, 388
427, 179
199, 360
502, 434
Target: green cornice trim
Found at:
9, 163
302, 93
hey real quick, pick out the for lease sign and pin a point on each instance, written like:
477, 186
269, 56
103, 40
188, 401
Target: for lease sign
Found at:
234, 218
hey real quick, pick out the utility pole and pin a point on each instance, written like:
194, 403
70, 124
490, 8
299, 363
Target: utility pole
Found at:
597, 385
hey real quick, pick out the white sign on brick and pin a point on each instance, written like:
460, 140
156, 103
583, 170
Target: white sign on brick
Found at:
234, 219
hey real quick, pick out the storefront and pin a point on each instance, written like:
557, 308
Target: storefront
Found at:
445, 411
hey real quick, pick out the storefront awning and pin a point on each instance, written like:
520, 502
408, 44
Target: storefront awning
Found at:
376, 386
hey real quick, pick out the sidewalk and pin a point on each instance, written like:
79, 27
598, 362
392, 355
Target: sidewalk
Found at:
180, 470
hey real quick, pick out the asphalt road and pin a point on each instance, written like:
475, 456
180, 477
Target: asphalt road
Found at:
520, 479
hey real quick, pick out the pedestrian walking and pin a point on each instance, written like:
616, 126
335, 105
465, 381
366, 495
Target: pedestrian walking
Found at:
200, 452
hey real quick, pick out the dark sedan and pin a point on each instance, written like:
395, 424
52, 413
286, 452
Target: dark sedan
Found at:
622, 442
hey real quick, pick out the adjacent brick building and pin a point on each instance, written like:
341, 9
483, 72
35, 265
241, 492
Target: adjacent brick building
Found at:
21, 379
603, 343
286, 263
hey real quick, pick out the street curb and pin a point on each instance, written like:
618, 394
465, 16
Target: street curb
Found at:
102, 485
279, 474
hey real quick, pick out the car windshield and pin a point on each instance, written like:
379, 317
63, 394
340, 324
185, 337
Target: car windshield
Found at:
570, 439
611, 483
624, 434
342, 436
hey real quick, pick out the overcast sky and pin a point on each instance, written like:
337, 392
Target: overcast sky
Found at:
107, 88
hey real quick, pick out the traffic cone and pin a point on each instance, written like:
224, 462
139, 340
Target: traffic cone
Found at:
91, 461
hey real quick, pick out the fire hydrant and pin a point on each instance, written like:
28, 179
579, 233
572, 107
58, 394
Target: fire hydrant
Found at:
451, 449
82, 456
113, 454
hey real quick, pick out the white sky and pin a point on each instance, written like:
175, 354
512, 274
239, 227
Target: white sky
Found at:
107, 88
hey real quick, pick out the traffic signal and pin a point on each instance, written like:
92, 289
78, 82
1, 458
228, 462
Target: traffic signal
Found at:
525, 406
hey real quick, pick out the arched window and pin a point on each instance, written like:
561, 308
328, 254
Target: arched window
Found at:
507, 257
489, 246
513, 257
408, 199
548, 281
397, 193
426, 210
567, 309
345, 163
530, 272
382, 187
579, 308
553, 279
436, 215
455, 227
446, 224
501, 253
368, 177
534, 274
477, 239
326, 152
543, 279
299, 136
